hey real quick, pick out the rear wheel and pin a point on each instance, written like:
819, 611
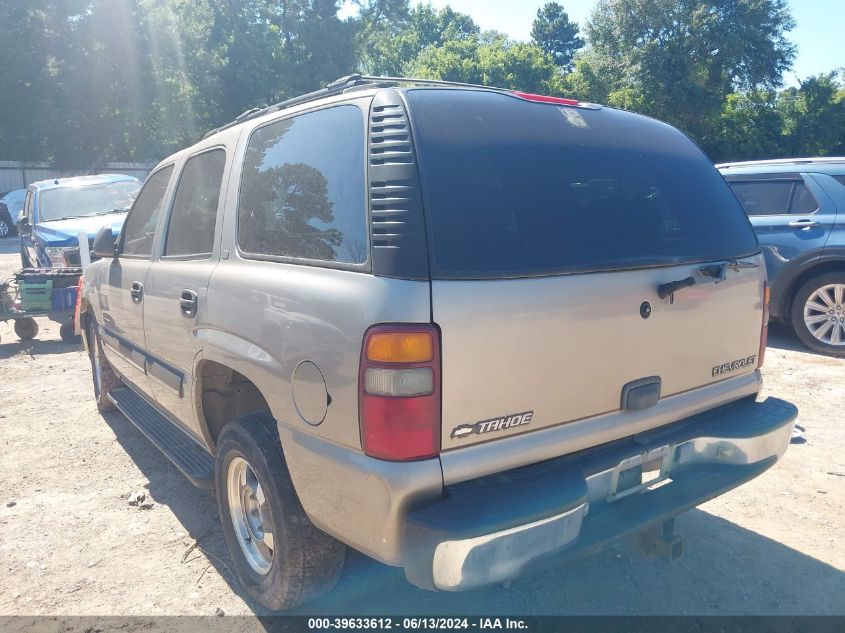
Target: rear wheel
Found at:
66, 331
280, 557
5, 228
104, 377
26, 328
818, 313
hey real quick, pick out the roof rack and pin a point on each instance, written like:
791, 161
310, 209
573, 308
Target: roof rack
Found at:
356, 80
338, 86
785, 161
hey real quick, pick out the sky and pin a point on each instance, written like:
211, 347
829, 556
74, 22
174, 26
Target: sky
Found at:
819, 34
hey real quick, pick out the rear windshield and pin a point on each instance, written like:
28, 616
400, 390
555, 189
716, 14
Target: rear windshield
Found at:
516, 188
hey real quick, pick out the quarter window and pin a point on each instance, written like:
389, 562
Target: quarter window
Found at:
140, 226
775, 197
763, 197
194, 214
302, 189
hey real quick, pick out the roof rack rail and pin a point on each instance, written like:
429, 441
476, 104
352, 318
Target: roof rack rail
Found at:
344, 83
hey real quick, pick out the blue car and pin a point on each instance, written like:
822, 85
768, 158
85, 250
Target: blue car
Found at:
55, 212
797, 208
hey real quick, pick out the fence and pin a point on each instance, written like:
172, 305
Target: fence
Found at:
17, 175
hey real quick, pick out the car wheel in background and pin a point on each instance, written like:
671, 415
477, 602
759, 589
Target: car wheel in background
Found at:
279, 556
104, 377
24, 258
26, 328
5, 227
66, 331
818, 313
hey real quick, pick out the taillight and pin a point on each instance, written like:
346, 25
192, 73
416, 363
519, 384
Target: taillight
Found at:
399, 392
545, 98
764, 328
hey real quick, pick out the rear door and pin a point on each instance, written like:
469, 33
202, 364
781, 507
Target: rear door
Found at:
122, 294
551, 230
790, 212
176, 288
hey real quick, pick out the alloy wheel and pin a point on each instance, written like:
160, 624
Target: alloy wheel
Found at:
824, 314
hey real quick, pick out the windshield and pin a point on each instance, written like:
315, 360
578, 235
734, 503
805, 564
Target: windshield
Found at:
81, 202
521, 189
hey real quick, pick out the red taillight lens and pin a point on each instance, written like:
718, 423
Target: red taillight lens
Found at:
399, 392
545, 98
764, 328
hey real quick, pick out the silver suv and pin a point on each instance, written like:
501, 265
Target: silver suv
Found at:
466, 331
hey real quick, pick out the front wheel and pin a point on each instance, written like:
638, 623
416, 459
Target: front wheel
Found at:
818, 313
5, 227
279, 556
104, 377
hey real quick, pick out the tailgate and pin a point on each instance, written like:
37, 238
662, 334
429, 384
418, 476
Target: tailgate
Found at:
562, 348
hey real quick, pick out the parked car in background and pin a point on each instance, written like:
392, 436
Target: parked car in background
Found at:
558, 349
56, 211
797, 208
11, 204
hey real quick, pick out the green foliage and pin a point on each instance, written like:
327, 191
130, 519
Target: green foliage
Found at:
553, 32
87, 81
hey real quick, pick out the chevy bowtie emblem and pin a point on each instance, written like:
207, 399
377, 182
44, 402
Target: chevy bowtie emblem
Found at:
494, 424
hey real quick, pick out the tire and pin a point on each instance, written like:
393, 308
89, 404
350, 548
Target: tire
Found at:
26, 328
101, 371
5, 228
824, 291
304, 562
24, 258
66, 331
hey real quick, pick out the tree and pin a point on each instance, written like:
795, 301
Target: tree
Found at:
750, 128
553, 32
678, 60
391, 47
814, 116
489, 58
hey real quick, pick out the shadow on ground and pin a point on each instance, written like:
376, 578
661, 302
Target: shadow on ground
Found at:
11, 345
726, 569
782, 336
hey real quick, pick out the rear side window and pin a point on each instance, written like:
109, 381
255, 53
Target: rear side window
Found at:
516, 189
194, 214
774, 197
302, 188
140, 226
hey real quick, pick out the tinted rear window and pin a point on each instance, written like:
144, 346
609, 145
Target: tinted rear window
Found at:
516, 188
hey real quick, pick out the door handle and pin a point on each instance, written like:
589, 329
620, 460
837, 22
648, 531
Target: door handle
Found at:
803, 224
188, 303
136, 291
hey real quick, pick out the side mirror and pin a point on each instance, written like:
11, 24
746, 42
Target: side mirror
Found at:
23, 221
104, 244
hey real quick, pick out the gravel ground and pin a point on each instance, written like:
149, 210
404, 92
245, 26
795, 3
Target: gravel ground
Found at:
72, 544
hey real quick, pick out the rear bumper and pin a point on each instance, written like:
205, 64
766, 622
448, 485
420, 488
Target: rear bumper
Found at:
504, 525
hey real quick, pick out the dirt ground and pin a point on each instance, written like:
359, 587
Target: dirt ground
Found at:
71, 544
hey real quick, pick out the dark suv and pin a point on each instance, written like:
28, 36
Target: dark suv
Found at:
793, 204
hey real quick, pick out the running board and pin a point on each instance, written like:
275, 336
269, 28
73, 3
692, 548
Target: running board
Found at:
195, 463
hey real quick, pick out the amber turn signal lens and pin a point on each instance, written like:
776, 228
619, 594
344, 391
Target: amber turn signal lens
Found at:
400, 347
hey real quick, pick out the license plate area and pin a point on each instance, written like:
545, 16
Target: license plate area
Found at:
648, 470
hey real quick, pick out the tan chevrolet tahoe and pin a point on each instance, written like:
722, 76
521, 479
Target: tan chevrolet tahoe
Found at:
469, 332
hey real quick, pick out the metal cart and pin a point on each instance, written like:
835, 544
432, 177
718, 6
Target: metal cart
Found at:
17, 305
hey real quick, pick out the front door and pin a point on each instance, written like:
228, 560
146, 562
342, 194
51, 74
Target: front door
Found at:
123, 293
176, 288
